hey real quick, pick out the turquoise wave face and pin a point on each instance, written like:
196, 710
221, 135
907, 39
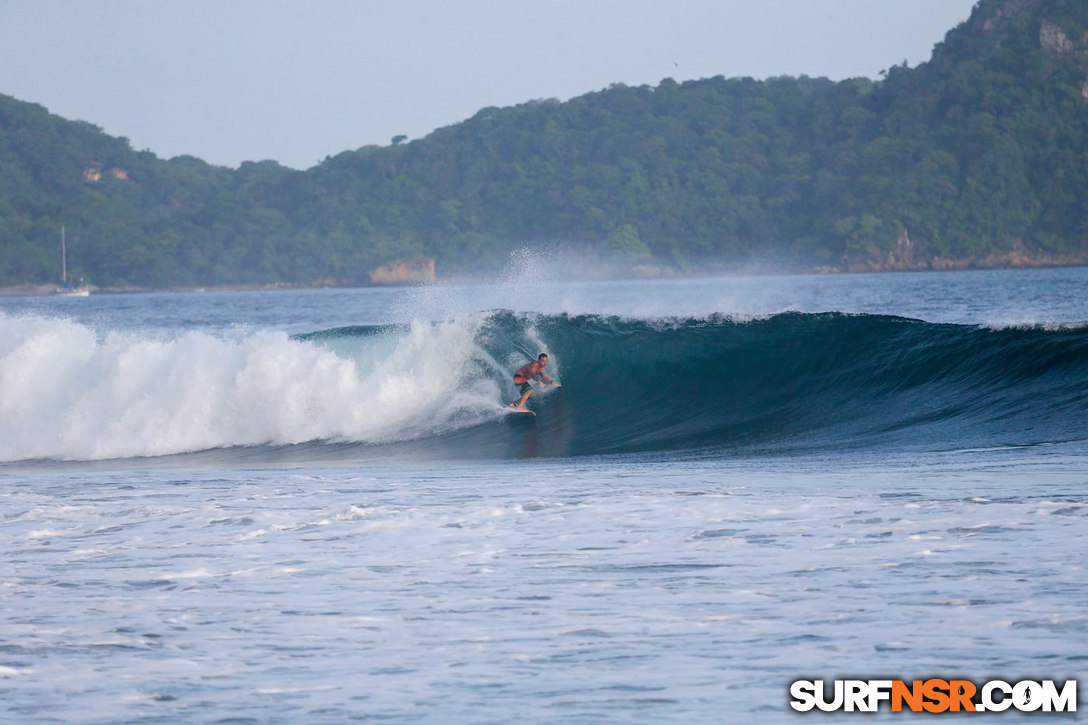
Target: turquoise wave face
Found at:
771, 385
785, 382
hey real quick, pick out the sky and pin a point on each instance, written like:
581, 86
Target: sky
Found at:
296, 81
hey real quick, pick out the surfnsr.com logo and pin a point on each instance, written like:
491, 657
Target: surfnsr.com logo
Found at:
934, 696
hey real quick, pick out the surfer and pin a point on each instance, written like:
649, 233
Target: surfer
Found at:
527, 372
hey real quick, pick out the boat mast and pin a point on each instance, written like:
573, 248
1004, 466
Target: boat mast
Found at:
63, 259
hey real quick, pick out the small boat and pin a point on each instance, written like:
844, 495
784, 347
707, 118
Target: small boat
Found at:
81, 291
67, 288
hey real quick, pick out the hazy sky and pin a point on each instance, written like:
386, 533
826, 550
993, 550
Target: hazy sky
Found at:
296, 81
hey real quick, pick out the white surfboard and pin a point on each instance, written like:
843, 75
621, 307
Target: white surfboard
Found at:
521, 411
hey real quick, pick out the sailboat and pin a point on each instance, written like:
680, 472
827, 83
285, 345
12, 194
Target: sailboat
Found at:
67, 288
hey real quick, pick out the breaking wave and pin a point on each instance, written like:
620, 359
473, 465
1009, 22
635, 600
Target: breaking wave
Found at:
784, 382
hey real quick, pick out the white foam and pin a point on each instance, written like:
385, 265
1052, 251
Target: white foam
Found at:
67, 392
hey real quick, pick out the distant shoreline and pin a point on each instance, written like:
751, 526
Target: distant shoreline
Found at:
49, 290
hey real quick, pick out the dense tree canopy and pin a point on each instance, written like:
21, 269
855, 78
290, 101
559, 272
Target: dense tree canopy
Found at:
977, 156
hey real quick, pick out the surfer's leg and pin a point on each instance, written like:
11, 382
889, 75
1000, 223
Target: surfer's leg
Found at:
527, 390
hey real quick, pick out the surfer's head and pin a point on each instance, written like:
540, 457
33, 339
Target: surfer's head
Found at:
542, 358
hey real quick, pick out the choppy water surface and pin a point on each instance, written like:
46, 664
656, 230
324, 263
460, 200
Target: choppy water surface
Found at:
581, 591
309, 506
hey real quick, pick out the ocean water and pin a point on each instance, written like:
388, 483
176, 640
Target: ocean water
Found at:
312, 506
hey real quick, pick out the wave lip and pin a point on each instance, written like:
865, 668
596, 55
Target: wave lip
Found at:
783, 382
804, 381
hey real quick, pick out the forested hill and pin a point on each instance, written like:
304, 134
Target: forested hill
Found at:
977, 157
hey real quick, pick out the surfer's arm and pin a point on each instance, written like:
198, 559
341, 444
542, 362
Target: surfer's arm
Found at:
545, 379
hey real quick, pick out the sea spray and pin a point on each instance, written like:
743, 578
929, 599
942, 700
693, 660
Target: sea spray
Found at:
67, 392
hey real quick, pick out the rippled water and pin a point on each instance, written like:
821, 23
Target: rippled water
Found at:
579, 591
